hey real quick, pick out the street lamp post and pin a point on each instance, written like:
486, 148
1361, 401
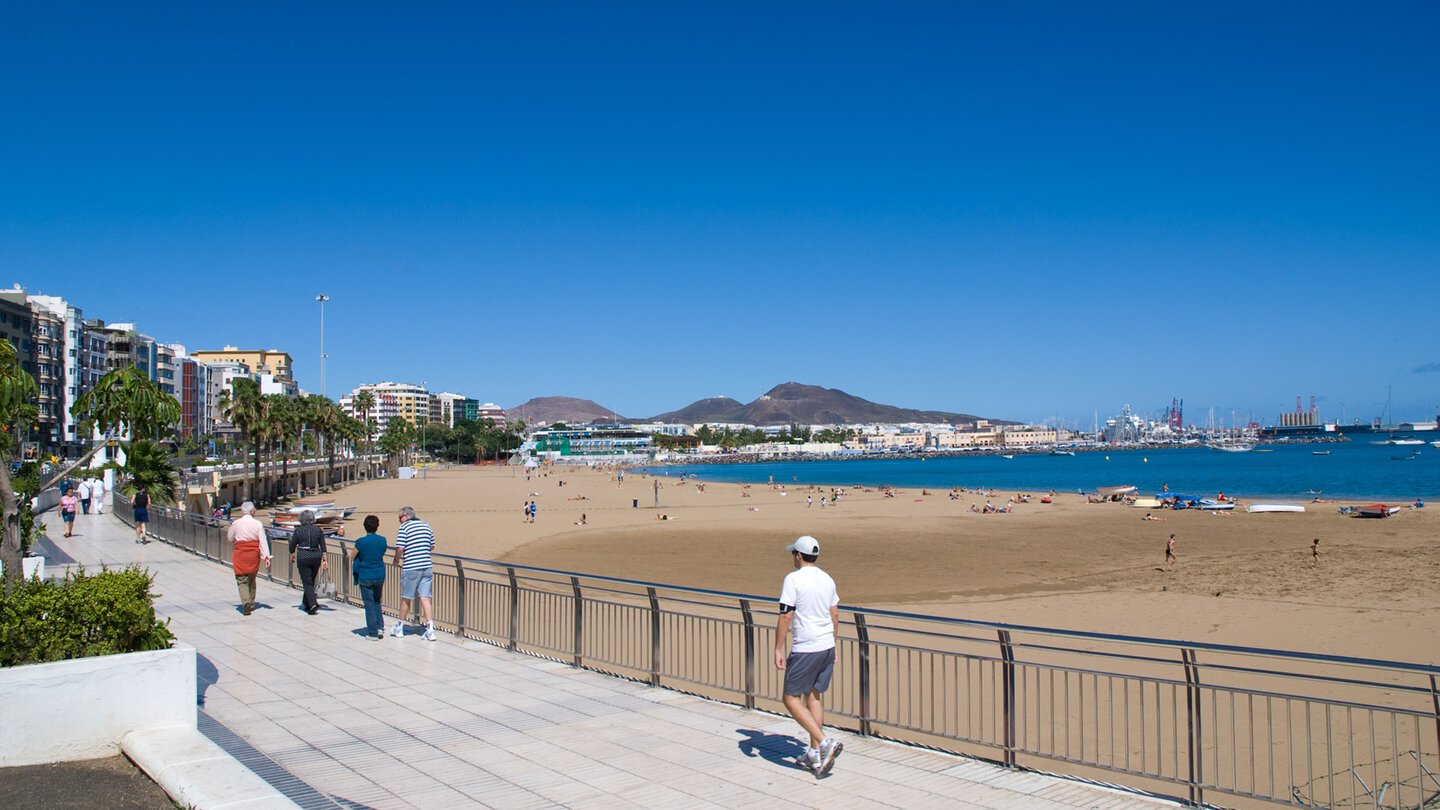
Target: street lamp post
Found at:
322, 299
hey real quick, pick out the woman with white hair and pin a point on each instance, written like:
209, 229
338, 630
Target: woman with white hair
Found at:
251, 547
307, 551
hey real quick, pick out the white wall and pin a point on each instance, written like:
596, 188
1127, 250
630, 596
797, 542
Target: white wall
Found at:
83, 708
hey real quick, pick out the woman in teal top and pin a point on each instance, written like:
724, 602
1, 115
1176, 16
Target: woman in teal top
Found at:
367, 562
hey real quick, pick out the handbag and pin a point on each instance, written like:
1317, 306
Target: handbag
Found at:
326, 585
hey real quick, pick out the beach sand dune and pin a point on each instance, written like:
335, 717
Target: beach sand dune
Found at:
1240, 578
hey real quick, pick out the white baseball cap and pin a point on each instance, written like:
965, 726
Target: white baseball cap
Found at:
805, 544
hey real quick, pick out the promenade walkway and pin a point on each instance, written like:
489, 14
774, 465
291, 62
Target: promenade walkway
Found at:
334, 720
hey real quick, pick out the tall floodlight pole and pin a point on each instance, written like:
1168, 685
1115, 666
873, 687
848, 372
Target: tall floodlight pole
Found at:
322, 299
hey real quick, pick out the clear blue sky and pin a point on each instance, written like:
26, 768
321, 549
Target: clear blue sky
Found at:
1021, 211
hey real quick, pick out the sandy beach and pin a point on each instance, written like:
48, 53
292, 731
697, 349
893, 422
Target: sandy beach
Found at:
1240, 578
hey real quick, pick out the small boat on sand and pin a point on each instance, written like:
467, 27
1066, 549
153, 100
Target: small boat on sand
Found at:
1376, 510
1275, 507
1109, 492
1210, 505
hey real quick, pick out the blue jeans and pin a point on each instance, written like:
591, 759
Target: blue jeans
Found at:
370, 590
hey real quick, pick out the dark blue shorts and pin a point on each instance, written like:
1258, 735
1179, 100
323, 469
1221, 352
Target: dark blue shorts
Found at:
142, 515
807, 671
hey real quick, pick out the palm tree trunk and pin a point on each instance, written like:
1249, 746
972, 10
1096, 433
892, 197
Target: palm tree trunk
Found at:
10, 541
255, 479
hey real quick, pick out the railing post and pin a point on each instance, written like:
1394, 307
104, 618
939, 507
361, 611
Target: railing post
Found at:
579, 620
1194, 726
862, 637
1007, 685
514, 609
345, 577
1435, 702
749, 653
459, 598
654, 637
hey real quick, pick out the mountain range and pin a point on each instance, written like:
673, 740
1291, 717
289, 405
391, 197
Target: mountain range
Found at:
789, 403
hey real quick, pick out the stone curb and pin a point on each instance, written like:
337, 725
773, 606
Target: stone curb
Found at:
198, 773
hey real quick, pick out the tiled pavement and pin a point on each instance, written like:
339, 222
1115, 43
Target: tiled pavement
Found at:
335, 720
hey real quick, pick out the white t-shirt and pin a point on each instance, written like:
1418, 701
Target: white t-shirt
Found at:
812, 593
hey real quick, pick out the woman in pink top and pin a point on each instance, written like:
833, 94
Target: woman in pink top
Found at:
68, 504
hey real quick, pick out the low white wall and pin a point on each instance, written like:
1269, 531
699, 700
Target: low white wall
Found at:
82, 708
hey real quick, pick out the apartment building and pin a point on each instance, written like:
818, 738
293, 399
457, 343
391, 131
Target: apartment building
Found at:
272, 368
392, 399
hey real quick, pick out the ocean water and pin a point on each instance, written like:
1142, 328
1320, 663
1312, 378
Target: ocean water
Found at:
1352, 470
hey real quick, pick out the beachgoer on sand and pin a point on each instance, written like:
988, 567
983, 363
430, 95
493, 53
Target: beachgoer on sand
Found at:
1170, 554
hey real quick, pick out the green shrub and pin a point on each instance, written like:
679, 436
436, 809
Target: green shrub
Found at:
102, 614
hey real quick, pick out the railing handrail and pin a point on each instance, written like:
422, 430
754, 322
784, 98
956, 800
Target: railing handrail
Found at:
1308, 734
1234, 649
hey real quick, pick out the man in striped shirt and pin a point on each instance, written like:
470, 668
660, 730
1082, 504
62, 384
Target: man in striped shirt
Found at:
413, 544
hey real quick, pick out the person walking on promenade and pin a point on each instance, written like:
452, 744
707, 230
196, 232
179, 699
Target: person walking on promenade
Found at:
83, 493
141, 502
98, 491
1170, 554
413, 544
251, 547
307, 551
68, 504
367, 564
808, 607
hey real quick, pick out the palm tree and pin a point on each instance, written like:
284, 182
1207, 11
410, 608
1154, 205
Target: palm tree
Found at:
323, 415
352, 430
17, 388
397, 437
245, 408
286, 425
150, 466
364, 404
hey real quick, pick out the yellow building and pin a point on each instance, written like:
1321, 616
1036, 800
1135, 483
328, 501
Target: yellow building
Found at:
273, 362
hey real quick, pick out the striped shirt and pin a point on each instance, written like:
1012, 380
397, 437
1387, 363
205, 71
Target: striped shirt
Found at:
416, 540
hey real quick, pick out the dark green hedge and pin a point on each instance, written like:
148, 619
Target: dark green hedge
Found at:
101, 614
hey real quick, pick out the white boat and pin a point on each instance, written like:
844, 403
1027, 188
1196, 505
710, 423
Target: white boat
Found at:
1376, 510
1394, 442
1222, 447
1435, 444
1061, 453
1275, 507
1009, 456
1146, 503
1110, 492
1218, 506
1320, 452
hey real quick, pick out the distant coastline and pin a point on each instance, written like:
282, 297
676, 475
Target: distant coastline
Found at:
756, 458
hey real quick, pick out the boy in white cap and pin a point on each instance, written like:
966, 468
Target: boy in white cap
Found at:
809, 608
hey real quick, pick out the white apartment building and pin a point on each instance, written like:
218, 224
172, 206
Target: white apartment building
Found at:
394, 399
59, 327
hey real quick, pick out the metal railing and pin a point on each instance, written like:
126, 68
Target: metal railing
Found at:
1173, 718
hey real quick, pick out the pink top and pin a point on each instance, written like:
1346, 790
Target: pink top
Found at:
68, 502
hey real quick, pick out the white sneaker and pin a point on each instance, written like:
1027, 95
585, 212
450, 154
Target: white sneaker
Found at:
430, 632
830, 748
810, 761
398, 630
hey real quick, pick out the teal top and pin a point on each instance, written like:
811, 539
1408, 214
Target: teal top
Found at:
370, 558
